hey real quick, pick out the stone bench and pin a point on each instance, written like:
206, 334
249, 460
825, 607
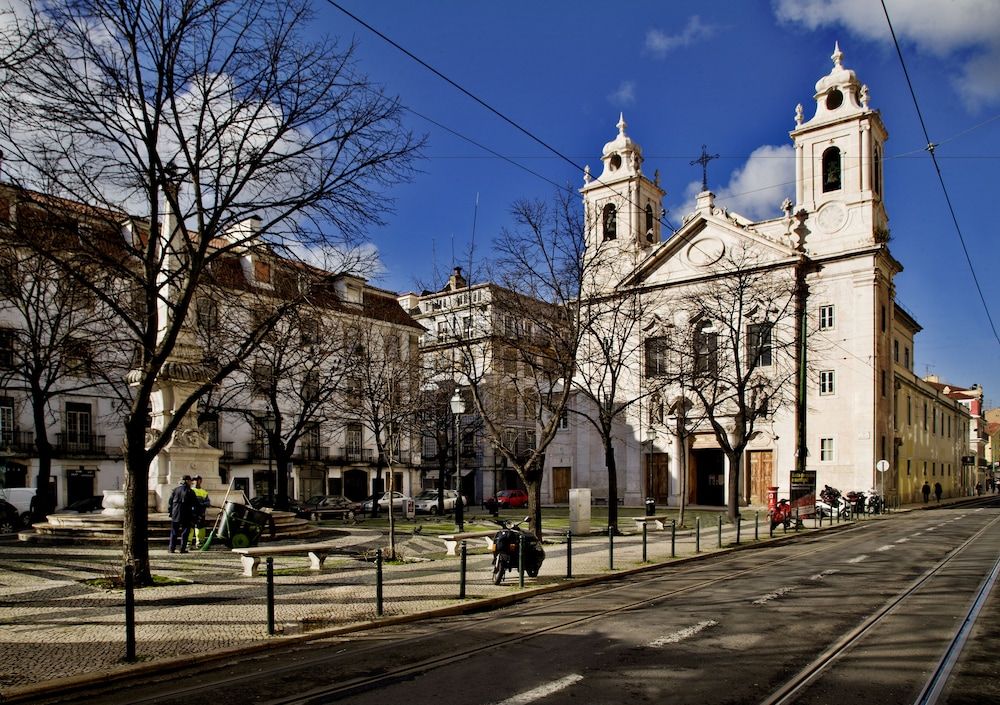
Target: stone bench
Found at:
317, 553
659, 522
451, 540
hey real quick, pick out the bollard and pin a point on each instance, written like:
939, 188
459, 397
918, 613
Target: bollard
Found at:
129, 612
611, 548
673, 538
739, 524
756, 526
270, 595
461, 574
644, 543
569, 555
697, 534
796, 520
720, 531
378, 582
520, 559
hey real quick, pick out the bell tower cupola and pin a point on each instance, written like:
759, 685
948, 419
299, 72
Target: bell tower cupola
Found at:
623, 208
838, 158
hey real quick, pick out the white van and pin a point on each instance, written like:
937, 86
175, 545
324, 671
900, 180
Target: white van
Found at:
20, 497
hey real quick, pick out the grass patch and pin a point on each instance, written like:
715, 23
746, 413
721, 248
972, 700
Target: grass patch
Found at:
117, 582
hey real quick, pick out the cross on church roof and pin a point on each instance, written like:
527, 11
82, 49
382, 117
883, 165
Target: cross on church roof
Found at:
704, 159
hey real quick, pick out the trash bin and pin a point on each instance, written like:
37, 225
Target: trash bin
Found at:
650, 506
241, 525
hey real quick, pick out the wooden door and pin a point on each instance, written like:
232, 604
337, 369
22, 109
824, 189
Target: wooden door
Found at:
560, 485
761, 476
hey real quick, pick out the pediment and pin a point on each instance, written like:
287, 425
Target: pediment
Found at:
702, 243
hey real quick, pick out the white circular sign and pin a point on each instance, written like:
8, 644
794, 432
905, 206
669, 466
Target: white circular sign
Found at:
882, 465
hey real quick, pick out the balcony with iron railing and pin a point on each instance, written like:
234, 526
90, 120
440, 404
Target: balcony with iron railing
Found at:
355, 454
311, 452
227, 450
17, 442
80, 445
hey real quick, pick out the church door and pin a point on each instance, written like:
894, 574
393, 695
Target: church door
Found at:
761, 476
560, 485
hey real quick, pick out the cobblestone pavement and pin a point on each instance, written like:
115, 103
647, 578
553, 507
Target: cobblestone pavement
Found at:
53, 625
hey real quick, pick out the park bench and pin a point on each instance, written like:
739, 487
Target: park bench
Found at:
658, 522
451, 540
317, 553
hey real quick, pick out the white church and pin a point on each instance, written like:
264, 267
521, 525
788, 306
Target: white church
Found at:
856, 333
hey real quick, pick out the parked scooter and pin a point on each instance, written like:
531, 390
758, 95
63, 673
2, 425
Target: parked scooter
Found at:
857, 500
783, 515
506, 546
832, 503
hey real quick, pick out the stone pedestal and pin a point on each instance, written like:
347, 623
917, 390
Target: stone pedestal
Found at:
188, 454
114, 503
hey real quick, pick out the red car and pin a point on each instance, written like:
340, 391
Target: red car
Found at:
512, 499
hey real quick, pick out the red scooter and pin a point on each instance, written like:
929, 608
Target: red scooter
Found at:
783, 515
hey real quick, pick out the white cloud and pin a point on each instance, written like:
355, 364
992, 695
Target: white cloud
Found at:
623, 95
757, 188
966, 31
660, 43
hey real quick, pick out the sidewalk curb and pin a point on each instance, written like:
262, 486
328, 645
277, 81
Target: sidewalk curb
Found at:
60, 686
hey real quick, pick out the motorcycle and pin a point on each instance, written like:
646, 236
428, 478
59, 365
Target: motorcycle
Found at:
857, 501
506, 550
832, 503
876, 505
783, 515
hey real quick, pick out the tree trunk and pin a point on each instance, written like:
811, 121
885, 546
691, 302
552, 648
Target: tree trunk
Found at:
376, 496
534, 488
282, 459
733, 485
612, 467
44, 503
135, 530
684, 477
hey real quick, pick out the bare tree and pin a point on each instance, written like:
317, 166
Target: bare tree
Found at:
53, 324
732, 345
529, 358
226, 132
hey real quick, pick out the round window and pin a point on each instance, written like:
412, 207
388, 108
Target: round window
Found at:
616, 161
834, 99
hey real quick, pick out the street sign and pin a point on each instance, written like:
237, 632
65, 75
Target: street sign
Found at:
882, 465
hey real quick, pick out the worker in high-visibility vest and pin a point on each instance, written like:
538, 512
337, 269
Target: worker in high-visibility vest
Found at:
202, 504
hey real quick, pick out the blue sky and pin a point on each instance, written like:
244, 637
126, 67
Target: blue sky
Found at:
687, 73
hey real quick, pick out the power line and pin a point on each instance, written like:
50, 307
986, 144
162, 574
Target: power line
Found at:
937, 168
513, 123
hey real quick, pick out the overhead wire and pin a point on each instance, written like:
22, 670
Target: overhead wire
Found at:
931, 147
510, 121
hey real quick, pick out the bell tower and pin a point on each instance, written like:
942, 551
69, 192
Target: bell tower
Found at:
838, 162
622, 210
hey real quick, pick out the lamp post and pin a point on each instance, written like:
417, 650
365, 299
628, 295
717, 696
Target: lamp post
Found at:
457, 409
650, 493
269, 427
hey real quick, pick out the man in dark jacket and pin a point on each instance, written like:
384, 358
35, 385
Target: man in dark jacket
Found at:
181, 508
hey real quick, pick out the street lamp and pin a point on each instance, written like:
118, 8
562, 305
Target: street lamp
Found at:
457, 409
650, 498
269, 427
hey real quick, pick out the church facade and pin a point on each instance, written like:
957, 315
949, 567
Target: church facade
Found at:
827, 354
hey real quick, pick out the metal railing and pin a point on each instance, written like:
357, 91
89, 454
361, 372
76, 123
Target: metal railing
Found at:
76, 444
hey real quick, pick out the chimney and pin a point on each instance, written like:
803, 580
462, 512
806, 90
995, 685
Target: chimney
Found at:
456, 281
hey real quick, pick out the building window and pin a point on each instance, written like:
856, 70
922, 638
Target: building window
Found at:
78, 356
826, 318
610, 222
656, 357
563, 420
706, 350
933, 469
933, 420
78, 426
826, 450
949, 427
906, 357
925, 468
895, 351
262, 376
877, 169
262, 271
881, 317
826, 382
6, 421
354, 440
831, 170
7, 348
882, 376
908, 466
649, 223
759, 344
925, 416
909, 410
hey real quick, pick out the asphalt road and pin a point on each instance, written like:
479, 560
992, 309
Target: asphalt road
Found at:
730, 628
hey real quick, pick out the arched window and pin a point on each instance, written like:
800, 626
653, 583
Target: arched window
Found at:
610, 222
831, 170
649, 223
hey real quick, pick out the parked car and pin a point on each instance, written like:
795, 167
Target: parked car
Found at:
399, 501
509, 499
10, 518
266, 501
329, 506
427, 501
87, 505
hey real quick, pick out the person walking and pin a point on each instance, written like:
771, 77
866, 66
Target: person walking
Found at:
937, 491
926, 490
202, 503
181, 508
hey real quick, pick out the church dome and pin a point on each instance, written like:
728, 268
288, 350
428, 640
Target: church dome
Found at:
621, 152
